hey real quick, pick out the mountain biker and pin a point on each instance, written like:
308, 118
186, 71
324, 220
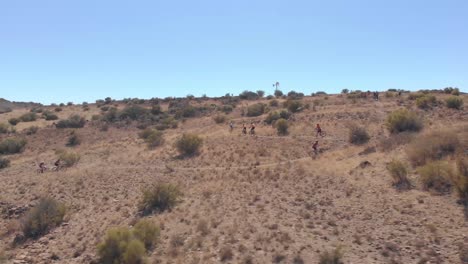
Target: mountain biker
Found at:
57, 164
244, 129
319, 130
252, 128
42, 167
315, 147
231, 126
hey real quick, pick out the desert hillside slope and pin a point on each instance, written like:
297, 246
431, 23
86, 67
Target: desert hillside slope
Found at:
246, 199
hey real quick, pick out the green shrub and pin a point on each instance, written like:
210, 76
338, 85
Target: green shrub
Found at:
278, 93
248, 95
256, 109
147, 232
399, 173
455, 92
159, 198
189, 144
282, 127
426, 101
58, 109
47, 214
133, 112
273, 116
4, 163
454, 102
414, 96
332, 257
28, 117
403, 120
69, 158
436, 176
156, 110
4, 128
274, 103
47, 115
74, 121
31, 130
120, 247
14, 121
358, 135
293, 105
12, 145
152, 137
73, 140
345, 91
227, 109
219, 119
433, 146
260, 93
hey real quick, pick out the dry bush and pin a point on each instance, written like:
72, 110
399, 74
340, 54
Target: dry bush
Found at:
12, 145
432, 147
414, 96
14, 121
403, 120
47, 214
358, 135
426, 101
256, 109
147, 232
274, 103
293, 105
436, 176
31, 130
69, 158
219, 119
395, 140
159, 198
460, 181
454, 102
282, 127
152, 137
74, 121
332, 257
28, 117
189, 144
73, 140
226, 254
4, 163
399, 173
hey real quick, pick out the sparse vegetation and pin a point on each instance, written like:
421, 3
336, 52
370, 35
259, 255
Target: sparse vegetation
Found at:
399, 173
14, 121
47, 214
47, 115
4, 128
358, 135
403, 120
159, 198
433, 146
294, 105
275, 115
189, 144
31, 130
12, 145
436, 176
460, 180
454, 102
147, 232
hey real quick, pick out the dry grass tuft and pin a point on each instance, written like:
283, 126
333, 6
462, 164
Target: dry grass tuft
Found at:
47, 214
399, 173
159, 198
436, 176
403, 120
432, 147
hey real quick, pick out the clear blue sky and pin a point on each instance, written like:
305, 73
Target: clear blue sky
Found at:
60, 51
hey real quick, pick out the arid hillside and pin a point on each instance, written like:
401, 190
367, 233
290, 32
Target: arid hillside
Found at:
388, 182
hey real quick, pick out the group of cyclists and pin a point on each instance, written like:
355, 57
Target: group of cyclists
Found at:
315, 145
43, 168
